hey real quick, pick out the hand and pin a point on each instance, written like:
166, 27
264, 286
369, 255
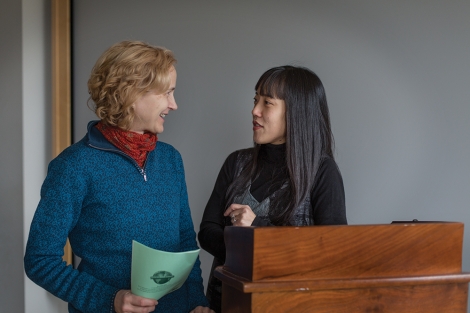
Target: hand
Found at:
126, 302
202, 309
241, 215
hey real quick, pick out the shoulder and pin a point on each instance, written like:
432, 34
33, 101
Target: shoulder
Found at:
241, 156
237, 158
166, 150
74, 154
245, 152
234, 162
167, 158
166, 147
328, 165
70, 168
328, 174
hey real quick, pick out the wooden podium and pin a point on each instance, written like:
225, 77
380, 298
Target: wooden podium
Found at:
403, 267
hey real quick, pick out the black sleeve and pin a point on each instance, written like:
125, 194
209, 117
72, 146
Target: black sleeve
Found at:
327, 197
211, 230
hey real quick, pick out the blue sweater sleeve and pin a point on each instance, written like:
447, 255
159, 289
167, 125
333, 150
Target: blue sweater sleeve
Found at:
194, 285
56, 215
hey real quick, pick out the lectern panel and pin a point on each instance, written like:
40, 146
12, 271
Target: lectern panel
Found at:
334, 269
344, 251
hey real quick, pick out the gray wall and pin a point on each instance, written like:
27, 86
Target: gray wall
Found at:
11, 189
396, 73
37, 133
25, 135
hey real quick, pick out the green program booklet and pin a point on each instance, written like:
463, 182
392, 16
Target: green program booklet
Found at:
156, 273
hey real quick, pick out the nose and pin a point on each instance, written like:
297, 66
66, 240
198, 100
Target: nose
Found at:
172, 104
256, 112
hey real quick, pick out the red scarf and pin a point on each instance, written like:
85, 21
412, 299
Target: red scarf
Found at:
135, 145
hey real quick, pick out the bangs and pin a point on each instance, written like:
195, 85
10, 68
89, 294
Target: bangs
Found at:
272, 84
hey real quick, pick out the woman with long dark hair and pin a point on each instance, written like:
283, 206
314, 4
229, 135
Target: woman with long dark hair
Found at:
289, 177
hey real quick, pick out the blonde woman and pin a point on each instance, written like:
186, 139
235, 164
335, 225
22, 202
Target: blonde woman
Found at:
117, 184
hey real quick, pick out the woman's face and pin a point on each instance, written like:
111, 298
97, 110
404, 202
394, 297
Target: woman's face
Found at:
151, 109
269, 120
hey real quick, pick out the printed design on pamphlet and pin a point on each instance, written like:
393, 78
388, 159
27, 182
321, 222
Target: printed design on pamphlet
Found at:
162, 277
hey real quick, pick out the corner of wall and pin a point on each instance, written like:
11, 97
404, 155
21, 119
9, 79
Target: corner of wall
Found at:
36, 131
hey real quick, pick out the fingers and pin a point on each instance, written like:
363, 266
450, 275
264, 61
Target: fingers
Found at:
240, 215
138, 301
126, 302
234, 219
234, 211
234, 207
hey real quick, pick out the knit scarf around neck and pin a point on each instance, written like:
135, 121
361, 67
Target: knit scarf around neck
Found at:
135, 145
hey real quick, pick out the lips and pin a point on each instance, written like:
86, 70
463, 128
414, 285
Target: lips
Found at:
256, 126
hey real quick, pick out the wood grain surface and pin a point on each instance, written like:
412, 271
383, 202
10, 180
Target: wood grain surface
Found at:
365, 268
286, 253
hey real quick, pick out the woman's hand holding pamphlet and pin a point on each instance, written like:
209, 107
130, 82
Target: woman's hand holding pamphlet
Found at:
156, 273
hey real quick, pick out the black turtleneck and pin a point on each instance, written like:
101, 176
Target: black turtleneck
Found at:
273, 172
327, 197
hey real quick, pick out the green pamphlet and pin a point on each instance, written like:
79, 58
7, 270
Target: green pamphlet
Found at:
156, 273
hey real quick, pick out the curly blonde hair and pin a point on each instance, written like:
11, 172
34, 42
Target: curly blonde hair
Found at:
122, 74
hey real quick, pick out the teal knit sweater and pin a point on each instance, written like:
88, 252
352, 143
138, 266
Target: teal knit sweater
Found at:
101, 200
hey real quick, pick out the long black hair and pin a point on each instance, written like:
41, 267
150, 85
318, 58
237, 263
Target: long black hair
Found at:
308, 137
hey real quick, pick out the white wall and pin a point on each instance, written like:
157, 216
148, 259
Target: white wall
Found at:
25, 135
36, 55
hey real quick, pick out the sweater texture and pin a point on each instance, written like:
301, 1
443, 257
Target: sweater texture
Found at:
100, 199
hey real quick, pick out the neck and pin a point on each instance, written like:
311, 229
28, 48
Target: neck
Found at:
273, 153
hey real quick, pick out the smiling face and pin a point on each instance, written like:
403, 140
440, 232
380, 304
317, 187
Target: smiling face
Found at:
151, 108
269, 120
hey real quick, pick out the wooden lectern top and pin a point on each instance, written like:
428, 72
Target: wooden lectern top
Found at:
346, 251
402, 267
